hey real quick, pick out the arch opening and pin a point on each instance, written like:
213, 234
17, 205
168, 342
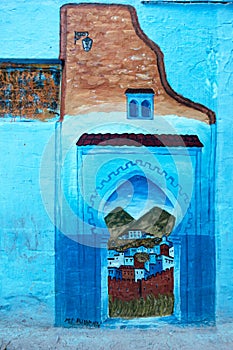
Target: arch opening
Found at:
133, 109
146, 109
140, 250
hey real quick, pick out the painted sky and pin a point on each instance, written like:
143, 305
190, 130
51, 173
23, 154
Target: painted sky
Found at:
137, 196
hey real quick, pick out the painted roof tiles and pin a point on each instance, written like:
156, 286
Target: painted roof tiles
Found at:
148, 140
139, 91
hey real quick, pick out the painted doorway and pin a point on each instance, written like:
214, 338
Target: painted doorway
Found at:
137, 183
140, 253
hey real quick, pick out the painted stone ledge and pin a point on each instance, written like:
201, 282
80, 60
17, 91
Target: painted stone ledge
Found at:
121, 57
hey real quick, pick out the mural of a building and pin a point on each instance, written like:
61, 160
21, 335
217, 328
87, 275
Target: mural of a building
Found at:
140, 158
113, 184
142, 269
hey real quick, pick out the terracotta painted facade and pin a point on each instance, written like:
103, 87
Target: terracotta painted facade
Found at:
122, 57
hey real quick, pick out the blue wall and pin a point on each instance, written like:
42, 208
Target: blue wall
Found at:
27, 235
197, 44
187, 35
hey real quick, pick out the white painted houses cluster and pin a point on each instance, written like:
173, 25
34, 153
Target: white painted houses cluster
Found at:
136, 234
160, 257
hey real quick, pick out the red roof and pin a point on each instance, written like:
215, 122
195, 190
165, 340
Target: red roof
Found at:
125, 139
139, 91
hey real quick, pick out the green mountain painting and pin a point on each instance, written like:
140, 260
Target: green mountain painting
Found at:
156, 222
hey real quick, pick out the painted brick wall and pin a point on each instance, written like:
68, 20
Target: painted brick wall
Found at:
161, 283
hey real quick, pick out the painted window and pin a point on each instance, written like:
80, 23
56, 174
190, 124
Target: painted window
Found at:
146, 109
140, 103
133, 109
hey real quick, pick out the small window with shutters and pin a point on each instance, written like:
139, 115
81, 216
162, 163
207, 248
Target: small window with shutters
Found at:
140, 103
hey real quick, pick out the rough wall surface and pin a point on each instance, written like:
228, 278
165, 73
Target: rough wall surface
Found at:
27, 235
29, 91
122, 57
197, 45
224, 169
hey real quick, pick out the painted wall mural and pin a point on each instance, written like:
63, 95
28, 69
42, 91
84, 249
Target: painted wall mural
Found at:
122, 57
139, 147
139, 251
133, 227
125, 168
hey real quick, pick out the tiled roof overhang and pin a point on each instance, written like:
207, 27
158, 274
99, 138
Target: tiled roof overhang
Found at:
139, 91
149, 140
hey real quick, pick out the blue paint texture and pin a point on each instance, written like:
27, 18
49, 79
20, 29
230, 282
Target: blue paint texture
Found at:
27, 235
41, 274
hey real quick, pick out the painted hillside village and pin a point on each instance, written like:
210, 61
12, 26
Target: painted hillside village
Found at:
140, 264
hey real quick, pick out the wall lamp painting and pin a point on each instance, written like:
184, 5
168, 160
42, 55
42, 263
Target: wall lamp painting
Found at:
86, 42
